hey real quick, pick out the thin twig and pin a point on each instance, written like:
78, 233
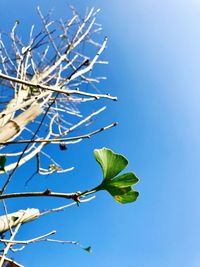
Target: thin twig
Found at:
58, 140
26, 242
56, 89
65, 206
9, 244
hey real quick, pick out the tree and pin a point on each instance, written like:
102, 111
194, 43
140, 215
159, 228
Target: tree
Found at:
43, 83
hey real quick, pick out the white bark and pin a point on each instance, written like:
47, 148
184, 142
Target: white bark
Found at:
13, 219
14, 126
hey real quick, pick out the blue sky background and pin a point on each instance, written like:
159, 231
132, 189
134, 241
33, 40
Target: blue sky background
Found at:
154, 55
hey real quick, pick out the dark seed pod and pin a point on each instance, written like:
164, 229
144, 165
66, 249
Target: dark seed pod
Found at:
63, 146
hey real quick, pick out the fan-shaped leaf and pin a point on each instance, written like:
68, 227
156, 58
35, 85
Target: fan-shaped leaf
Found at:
88, 249
122, 194
124, 180
114, 190
111, 163
118, 186
128, 197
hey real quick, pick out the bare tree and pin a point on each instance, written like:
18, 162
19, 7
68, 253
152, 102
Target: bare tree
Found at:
43, 84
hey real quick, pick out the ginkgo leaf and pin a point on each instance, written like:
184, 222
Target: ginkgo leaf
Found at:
124, 180
114, 191
88, 249
120, 187
122, 194
128, 197
14, 218
111, 163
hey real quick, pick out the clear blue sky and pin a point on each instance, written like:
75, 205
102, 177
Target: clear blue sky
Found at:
154, 55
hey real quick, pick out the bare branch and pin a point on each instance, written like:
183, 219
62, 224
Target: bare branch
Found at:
57, 90
43, 85
46, 193
58, 140
27, 242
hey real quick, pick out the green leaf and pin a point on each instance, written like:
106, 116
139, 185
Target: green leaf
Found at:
122, 195
88, 249
120, 187
2, 163
111, 163
14, 218
129, 197
124, 180
114, 190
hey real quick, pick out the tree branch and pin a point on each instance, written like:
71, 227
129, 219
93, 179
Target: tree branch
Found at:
58, 140
46, 193
56, 89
